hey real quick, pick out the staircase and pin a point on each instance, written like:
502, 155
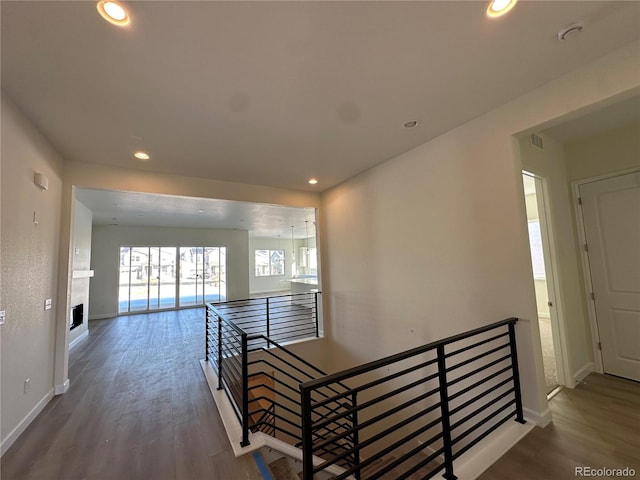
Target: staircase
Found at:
403, 417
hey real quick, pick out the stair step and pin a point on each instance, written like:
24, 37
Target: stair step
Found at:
394, 473
281, 470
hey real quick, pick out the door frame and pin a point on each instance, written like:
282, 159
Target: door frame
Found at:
556, 314
584, 256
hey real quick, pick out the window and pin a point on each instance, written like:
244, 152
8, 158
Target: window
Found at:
269, 263
537, 257
155, 278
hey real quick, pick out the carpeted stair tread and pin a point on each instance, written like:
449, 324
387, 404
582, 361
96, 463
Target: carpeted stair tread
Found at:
281, 470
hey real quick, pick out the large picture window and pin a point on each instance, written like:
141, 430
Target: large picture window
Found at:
155, 278
269, 263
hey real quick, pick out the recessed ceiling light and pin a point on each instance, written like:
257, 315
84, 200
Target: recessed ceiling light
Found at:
410, 124
200, 210
142, 155
113, 12
313, 181
497, 8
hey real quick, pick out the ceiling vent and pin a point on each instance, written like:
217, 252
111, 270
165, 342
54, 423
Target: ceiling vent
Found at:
536, 141
570, 30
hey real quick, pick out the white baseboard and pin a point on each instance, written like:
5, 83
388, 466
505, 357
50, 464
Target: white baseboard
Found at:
26, 421
77, 340
60, 389
102, 316
583, 372
540, 419
480, 457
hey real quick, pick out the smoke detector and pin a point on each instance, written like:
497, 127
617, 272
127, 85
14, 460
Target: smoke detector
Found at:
570, 30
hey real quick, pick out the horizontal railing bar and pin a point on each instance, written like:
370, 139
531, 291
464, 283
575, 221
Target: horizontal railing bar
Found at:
388, 449
375, 383
230, 352
263, 298
393, 428
287, 432
233, 384
479, 396
393, 411
233, 404
383, 362
453, 396
270, 352
480, 369
482, 435
295, 379
384, 397
482, 342
290, 353
276, 404
285, 420
477, 357
469, 416
482, 422
399, 461
298, 327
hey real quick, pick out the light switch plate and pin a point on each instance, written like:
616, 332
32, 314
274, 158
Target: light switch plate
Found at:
3, 316
47, 304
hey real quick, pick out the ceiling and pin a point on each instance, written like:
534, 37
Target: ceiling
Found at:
606, 118
138, 209
273, 93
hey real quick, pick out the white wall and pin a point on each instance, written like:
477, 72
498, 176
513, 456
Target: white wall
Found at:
434, 242
29, 269
81, 261
611, 151
550, 164
108, 239
260, 285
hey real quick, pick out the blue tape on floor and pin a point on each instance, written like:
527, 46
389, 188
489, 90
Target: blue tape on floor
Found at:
264, 470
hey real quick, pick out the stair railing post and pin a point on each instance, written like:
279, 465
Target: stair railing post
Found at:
316, 314
206, 333
307, 441
268, 321
219, 351
245, 392
444, 407
356, 436
516, 374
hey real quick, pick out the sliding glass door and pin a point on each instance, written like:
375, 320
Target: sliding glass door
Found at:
154, 278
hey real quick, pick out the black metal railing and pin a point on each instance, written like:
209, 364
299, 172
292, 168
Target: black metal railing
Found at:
419, 410
282, 318
261, 379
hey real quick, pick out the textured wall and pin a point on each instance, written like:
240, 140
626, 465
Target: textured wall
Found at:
434, 242
29, 267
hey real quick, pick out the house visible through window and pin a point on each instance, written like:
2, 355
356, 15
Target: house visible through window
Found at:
269, 263
156, 278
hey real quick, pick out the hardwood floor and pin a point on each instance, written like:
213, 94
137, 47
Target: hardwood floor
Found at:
595, 425
138, 408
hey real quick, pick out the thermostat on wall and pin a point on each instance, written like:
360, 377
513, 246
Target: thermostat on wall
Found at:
41, 181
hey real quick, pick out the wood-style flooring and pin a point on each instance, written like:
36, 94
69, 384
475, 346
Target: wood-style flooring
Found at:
138, 408
595, 425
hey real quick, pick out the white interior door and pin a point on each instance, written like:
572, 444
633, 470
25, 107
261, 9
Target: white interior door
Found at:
611, 213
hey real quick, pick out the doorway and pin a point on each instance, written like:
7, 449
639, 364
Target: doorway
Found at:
545, 282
